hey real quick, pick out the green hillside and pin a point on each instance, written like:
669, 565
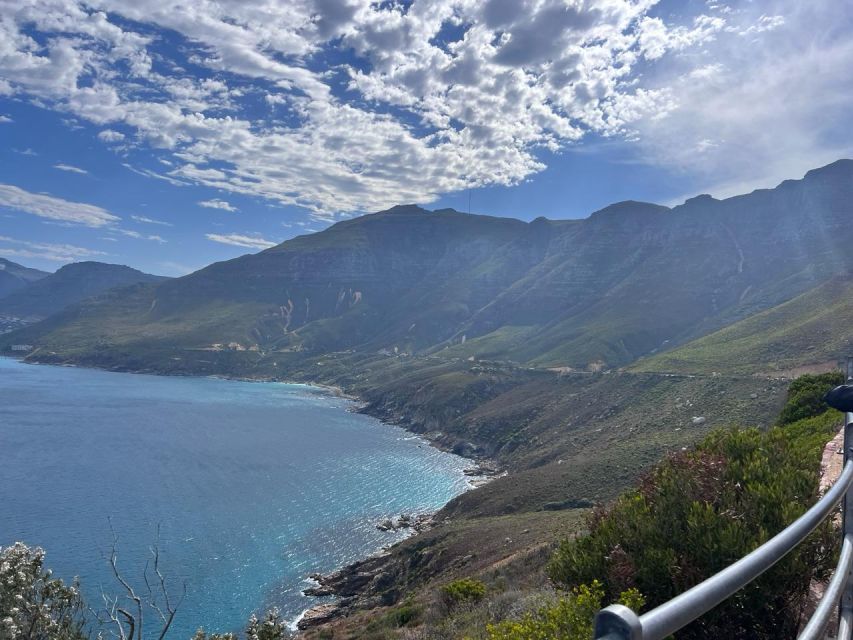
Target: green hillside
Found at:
814, 329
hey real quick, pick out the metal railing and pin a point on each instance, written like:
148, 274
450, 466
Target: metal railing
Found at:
618, 622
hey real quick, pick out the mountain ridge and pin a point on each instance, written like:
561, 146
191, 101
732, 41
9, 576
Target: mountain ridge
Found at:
631, 279
14, 276
70, 284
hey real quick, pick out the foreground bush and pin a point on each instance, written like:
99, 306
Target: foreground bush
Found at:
33, 605
571, 618
36, 606
270, 627
700, 511
805, 396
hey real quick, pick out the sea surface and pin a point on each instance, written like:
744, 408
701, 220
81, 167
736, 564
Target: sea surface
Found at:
254, 485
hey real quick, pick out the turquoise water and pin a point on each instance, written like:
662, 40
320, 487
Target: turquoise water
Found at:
254, 485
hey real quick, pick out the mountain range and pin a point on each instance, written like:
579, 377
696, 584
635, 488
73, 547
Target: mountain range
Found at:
628, 281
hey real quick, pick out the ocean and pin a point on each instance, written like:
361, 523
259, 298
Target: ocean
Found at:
253, 486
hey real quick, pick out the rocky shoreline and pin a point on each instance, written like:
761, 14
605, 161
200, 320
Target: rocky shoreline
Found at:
353, 585
363, 584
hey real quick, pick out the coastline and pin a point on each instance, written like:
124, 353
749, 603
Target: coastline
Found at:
343, 582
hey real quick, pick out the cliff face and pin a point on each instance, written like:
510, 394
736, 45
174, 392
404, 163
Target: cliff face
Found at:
631, 279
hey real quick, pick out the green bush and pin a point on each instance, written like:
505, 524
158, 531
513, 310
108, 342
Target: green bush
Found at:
571, 618
406, 614
700, 511
463, 590
805, 396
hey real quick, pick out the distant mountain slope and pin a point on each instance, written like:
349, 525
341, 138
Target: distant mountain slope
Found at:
69, 285
815, 328
14, 277
600, 292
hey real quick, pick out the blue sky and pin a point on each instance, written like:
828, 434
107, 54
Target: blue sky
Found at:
168, 135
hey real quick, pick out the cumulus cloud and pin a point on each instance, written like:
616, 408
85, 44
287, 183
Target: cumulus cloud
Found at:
241, 240
51, 208
70, 168
46, 250
215, 203
5, 119
432, 96
110, 135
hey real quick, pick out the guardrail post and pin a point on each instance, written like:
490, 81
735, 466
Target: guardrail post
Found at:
618, 622
845, 623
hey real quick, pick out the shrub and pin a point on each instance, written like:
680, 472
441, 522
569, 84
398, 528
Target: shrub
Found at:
698, 512
34, 605
406, 614
571, 618
270, 627
463, 590
805, 396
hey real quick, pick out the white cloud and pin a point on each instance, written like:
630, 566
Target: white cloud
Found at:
110, 135
444, 94
765, 23
147, 220
5, 119
215, 203
137, 235
46, 206
750, 115
46, 250
241, 240
70, 168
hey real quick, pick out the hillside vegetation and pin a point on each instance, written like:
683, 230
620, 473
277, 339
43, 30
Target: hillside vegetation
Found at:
688, 517
814, 328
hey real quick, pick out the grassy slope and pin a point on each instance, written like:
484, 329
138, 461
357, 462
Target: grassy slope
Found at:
813, 328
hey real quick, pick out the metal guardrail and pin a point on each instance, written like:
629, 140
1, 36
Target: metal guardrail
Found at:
618, 622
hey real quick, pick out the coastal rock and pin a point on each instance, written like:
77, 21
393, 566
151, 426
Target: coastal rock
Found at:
319, 591
481, 469
318, 615
420, 522
386, 525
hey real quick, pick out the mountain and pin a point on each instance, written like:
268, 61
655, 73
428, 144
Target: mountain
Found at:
631, 279
14, 277
69, 285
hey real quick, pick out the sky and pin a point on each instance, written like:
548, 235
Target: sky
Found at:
167, 135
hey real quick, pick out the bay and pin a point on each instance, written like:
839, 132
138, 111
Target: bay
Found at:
254, 486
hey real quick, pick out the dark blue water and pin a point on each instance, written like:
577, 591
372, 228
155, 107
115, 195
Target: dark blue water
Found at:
254, 485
